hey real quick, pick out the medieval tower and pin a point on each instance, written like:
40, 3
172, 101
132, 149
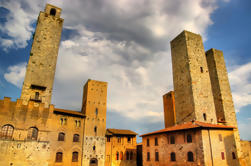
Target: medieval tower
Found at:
94, 108
40, 72
192, 86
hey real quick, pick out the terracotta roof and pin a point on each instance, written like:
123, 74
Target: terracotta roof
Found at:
68, 112
189, 125
119, 132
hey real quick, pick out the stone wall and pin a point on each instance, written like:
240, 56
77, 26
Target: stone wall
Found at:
169, 109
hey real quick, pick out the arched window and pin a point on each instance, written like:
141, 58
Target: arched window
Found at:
189, 138
7, 131
131, 155
75, 157
172, 140
127, 155
121, 155
61, 136
59, 157
156, 141
75, 138
205, 116
173, 157
94, 148
117, 156
190, 156
32, 133
156, 156
53, 12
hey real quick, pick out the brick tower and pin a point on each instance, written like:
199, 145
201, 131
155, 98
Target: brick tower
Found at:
192, 86
40, 72
169, 109
94, 108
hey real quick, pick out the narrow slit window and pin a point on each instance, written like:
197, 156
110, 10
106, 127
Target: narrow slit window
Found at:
201, 69
204, 116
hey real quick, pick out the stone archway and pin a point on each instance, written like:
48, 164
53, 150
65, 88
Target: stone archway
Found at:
93, 162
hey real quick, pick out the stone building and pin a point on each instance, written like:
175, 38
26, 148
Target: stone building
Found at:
120, 147
201, 126
35, 133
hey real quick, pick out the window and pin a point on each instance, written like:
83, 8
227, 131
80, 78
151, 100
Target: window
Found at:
53, 12
75, 138
59, 157
220, 137
172, 139
32, 133
96, 111
201, 69
156, 141
205, 116
127, 155
222, 156
129, 139
131, 155
61, 136
119, 139
173, 157
63, 121
108, 139
77, 123
189, 138
75, 157
233, 155
121, 155
95, 130
7, 132
147, 142
190, 156
156, 156
36, 95
117, 156
94, 148
148, 156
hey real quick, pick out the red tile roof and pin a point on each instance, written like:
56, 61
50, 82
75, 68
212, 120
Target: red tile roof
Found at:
119, 132
68, 112
189, 125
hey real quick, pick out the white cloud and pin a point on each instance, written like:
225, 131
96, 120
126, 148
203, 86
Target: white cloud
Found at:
15, 74
240, 81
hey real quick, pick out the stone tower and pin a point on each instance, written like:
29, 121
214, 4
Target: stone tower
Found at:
169, 109
39, 77
192, 86
94, 108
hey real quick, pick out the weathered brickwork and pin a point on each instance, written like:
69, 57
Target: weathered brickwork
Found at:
94, 108
246, 153
39, 78
192, 86
169, 109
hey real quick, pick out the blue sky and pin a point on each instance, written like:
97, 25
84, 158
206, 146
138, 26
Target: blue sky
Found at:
127, 45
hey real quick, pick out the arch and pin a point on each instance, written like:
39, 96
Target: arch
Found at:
61, 136
76, 138
75, 156
173, 156
190, 156
32, 133
7, 131
189, 138
53, 12
93, 162
59, 157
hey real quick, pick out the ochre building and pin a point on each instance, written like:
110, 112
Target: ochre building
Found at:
201, 126
35, 133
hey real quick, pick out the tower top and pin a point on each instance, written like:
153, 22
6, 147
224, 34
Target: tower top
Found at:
52, 10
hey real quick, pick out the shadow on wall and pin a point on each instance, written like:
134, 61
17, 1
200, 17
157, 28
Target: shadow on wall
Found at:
230, 154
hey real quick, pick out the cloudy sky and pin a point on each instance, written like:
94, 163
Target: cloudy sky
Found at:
126, 43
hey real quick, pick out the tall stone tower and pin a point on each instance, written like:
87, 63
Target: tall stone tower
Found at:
192, 86
169, 109
94, 108
39, 77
